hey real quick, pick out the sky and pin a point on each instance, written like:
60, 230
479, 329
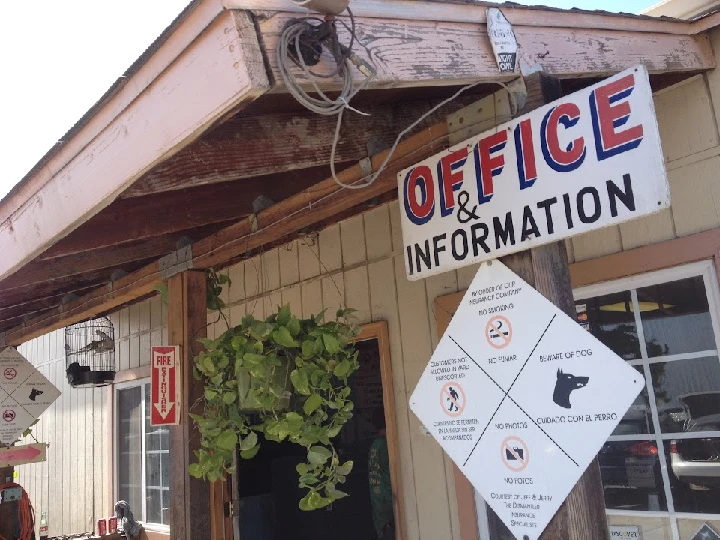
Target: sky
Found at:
58, 57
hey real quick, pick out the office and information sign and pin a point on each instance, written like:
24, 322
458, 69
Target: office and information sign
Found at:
521, 397
587, 161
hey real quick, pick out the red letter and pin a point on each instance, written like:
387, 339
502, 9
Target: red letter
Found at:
610, 111
559, 158
419, 212
525, 150
451, 178
488, 166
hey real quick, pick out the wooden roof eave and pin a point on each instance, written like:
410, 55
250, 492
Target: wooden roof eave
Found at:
442, 53
168, 104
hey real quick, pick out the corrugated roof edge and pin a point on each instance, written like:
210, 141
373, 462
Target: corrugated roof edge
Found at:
117, 85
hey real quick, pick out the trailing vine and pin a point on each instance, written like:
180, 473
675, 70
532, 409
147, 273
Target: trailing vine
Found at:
285, 379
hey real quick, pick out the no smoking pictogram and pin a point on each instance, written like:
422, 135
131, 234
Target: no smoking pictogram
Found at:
452, 399
9, 415
10, 373
515, 454
498, 332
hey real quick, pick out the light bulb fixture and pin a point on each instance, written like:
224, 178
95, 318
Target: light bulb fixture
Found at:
329, 7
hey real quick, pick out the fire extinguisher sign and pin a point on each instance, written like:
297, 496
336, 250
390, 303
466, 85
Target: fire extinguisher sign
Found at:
165, 386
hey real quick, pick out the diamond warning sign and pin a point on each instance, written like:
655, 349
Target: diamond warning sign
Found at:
24, 394
543, 396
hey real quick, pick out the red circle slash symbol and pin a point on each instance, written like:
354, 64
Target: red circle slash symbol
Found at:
498, 332
452, 399
10, 373
9, 415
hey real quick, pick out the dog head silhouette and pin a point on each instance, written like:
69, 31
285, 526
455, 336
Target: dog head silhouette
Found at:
564, 385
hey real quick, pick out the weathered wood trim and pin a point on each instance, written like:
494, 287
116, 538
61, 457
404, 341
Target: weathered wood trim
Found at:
313, 205
416, 53
379, 330
459, 11
132, 374
183, 105
696, 247
255, 146
190, 506
112, 105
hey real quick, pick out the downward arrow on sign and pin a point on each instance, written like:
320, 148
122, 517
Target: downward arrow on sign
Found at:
161, 412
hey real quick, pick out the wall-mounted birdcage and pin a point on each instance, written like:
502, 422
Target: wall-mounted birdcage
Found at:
90, 353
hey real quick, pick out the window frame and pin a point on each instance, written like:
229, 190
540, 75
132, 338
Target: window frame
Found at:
705, 269
117, 388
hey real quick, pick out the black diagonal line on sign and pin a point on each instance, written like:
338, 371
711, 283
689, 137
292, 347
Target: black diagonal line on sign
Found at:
511, 399
503, 391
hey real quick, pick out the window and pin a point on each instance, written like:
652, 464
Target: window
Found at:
663, 460
142, 456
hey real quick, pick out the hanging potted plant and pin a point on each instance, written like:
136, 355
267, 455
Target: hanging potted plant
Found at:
291, 373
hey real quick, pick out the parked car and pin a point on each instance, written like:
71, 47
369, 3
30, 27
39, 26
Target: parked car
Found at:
697, 461
630, 473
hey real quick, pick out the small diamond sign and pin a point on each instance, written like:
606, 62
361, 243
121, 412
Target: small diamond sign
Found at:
521, 397
25, 393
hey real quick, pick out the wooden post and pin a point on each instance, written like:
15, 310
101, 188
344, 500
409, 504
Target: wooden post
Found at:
582, 515
7, 510
187, 321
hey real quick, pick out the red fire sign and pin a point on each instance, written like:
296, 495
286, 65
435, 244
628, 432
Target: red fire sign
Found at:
165, 387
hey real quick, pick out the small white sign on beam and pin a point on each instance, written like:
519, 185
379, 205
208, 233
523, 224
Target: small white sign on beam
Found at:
587, 161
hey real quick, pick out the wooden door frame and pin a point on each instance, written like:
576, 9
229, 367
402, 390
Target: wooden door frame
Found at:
379, 330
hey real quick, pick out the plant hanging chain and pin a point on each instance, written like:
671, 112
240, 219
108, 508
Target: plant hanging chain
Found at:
293, 375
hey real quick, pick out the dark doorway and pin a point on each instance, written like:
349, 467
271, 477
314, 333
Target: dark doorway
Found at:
267, 485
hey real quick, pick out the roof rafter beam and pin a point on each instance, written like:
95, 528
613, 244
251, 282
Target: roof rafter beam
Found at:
466, 11
246, 147
430, 53
305, 209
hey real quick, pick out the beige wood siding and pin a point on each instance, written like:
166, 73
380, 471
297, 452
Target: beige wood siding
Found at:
688, 120
74, 485
358, 263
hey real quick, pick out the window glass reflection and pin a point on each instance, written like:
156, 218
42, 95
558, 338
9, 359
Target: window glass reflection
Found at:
694, 467
687, 394
630, 472
676, 317
610, 318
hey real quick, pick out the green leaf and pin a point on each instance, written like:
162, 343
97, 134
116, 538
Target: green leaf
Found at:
283, 316
206, 342
229, 397
312, 403
333, 432
293, 326
227, 440
210, 394
249, 454
195, 470
334, 494
308, 480
342, 369
302, 468
250, 441
308, 348
332, 345
313, 501
253, 359
282, 336
320, 316
318, 455
345, 468
299, 380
